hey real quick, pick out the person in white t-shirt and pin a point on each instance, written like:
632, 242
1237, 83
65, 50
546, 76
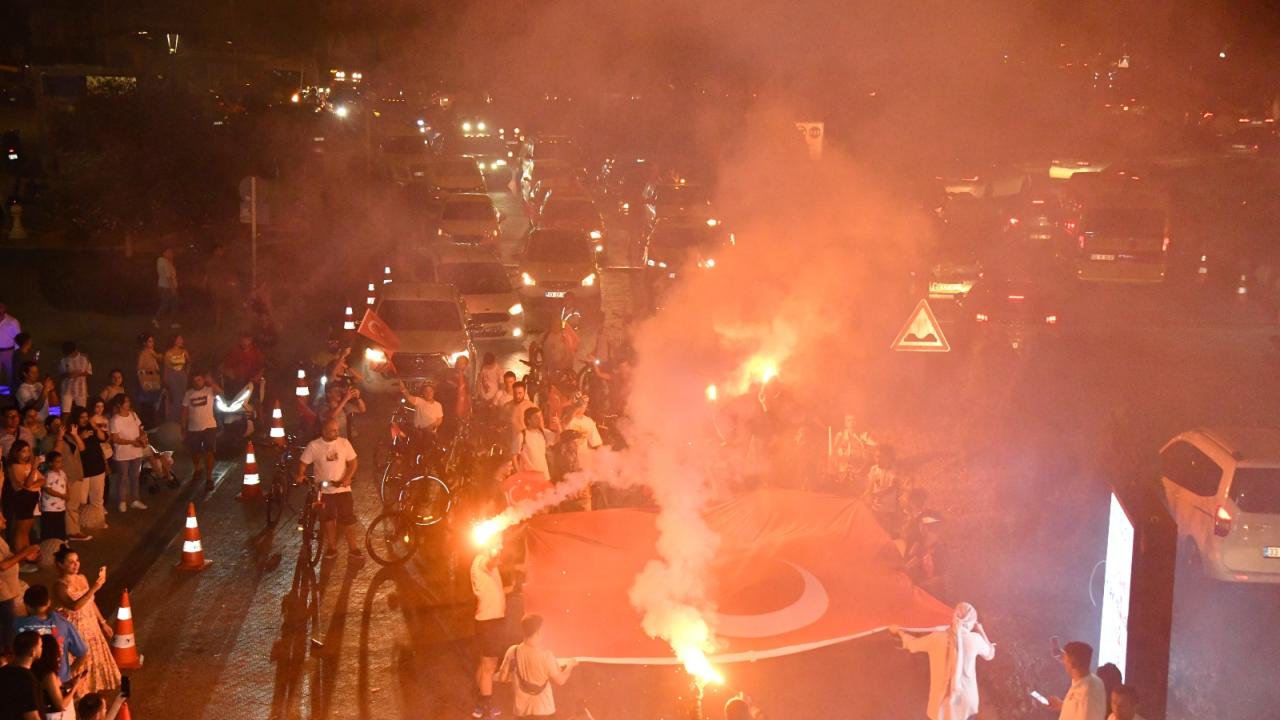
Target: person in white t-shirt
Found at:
199, 426
534, 441
74, 369
128, 446
1087, 698
53, 499
588, 434
531, 669
491, 622
335, 463
428, 413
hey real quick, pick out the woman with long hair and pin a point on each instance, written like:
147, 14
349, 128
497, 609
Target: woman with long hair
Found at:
58, 699
177, 363
150, 385
22, 483
73, 595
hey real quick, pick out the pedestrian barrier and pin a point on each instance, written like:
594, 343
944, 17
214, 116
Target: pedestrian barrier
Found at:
251, 489
124, 646
192, 551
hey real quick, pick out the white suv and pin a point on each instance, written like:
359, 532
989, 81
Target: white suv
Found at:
1222, 486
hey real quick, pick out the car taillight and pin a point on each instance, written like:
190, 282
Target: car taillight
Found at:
1051, 319
1081, 242
1164, 247
981, 317
1222, 522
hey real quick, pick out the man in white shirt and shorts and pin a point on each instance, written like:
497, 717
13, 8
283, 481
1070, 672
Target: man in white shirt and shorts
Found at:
199, 427
335, 463
531, 669
491, 623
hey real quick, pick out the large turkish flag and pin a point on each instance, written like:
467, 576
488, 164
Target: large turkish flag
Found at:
795, 571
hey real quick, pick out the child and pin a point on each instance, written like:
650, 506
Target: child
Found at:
53, 500
74, 370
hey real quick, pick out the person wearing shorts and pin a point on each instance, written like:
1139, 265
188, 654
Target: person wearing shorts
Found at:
335, 463
199, 426
491, 624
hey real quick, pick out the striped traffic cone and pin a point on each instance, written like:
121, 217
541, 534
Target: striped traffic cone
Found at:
277, 426
251, 489
124, 647
371, 295
349, 319
192, 551
303, 389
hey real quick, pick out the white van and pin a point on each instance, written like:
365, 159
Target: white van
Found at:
1222, 486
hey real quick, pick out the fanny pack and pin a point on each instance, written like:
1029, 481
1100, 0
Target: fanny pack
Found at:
527, 687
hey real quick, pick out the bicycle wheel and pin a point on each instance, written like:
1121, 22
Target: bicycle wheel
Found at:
426, 499
391, 538
392, 483
276, 494
312, 532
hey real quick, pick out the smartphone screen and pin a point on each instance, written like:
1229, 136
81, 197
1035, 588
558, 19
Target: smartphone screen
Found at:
1055, 647
1035, 695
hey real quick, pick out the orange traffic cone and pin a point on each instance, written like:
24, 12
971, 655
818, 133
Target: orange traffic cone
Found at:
251, 489
303, 389
192, 551
124, 713
277, 425
124, 647
372, 294
349, 319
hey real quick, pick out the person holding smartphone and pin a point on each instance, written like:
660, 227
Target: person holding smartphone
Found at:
1087, 698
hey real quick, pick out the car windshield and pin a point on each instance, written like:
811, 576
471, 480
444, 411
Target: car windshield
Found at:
558, 247
686, 194
457, 167
475, 278
1257, 490
467, 210
570, 210
555, 150
672, 239
420, 315
1136, 222
488, 145
405, 146
545, 170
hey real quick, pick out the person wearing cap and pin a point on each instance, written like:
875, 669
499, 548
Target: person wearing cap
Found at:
953, 658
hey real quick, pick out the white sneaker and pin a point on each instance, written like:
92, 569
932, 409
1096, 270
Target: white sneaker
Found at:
138, 505
124, 507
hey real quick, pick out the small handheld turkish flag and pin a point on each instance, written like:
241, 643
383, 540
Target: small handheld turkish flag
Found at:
378, 331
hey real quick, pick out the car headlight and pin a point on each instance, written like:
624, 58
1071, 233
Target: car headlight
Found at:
480, 126
599, 247
341, 111
527, 279
515, 309
651, 263
499, 163
626, 206
375, 355
712, 222
707, 263
589, 280
466, 127
517, 332
454, 357
596, 234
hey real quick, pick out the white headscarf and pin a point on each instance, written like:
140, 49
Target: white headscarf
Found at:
965, 617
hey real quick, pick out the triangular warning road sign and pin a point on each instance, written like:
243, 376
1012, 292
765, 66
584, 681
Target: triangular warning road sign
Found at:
922, 333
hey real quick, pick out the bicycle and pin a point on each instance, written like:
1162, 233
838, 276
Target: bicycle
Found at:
283, 491
392, 537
